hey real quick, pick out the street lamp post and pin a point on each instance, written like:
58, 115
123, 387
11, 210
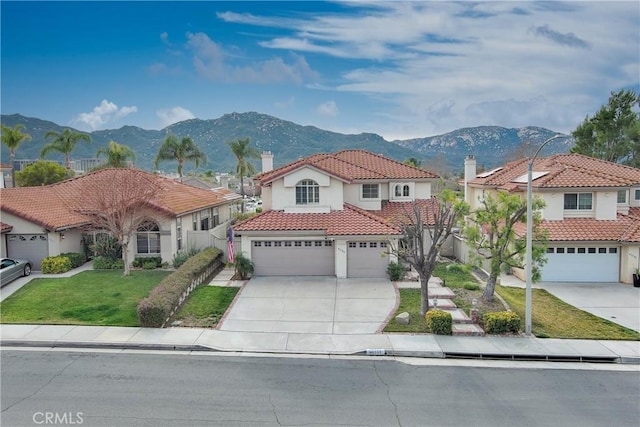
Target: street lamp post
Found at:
529, 249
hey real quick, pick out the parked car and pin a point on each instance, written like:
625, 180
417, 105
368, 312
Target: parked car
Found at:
11, 269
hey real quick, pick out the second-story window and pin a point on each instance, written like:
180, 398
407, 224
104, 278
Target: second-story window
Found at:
370, 191
401, 190
307, 192
622, 196
578, 201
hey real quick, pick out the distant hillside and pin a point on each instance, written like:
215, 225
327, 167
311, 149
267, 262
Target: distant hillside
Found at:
491, 145
289, 141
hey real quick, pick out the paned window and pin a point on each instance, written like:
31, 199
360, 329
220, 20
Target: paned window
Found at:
307, 192
148, 238
578, 201
370, 191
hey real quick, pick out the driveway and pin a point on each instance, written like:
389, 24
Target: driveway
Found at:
612, 301
323, 305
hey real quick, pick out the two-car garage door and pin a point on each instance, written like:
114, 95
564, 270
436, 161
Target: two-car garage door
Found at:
582, 264
293, 257
317, 258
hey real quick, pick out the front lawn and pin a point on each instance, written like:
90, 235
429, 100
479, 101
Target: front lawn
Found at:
206, 306
553, 318
88, 298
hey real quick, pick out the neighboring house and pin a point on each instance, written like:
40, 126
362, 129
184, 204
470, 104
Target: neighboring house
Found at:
44, 223
4, 228
6, 179
330, 214
592, 213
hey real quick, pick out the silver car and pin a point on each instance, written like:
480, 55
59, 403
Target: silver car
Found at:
11, 269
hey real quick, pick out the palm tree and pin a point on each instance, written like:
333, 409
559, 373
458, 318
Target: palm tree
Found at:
12, 138
64, 142
243, 152
183, 150
117, 154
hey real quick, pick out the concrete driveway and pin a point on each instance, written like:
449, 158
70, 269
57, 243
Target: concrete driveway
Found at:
612, 301
323, 305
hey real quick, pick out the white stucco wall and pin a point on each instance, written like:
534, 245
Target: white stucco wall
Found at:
341, 258
554, 205
283, 192
629, 262
353, 195
605, 205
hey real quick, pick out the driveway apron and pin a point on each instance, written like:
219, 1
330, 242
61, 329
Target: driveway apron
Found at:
317, 304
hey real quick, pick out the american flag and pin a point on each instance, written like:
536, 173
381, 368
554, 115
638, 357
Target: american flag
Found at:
231, 256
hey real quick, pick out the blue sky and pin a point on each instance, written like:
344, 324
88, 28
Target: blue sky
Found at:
401, 70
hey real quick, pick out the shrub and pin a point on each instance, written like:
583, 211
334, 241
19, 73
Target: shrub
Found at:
396, 271
77, 259
106, 263
107, 246
141, 261
164, 298
56, 264
181, 257
458, 268
244, 266
439, 322
471, 286
150, 265
501, 322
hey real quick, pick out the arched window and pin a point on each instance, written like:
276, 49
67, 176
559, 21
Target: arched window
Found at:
148, 238
398, 190
307, 192
401, 190
405, 191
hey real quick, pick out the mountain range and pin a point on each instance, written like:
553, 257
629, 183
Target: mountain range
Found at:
288, 141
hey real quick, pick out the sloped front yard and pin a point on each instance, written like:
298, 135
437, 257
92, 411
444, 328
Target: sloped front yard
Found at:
89, 298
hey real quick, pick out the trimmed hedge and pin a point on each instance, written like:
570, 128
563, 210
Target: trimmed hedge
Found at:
106, 263
501, 322
77, 259
439, 322
165, 298
144, 262
56, 264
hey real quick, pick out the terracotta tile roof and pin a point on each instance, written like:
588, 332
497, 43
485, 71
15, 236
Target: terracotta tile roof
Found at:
351, 165
5, 228
51, 206
400, 213
563, 171
350, 221
625, 229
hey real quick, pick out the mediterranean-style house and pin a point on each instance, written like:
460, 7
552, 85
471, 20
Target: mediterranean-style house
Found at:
38, 222
329, 214
591, 213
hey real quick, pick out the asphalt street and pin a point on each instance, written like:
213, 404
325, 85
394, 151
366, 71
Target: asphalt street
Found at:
150, 389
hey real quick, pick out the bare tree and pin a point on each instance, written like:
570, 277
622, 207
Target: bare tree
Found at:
426, 225
123, 208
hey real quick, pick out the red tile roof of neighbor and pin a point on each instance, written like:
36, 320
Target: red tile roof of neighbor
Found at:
625, 229
54, 206
4, 228
350, 221
351, 165
563, 171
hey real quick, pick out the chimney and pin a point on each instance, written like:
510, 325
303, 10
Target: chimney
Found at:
224, 181
267, 161
470, 173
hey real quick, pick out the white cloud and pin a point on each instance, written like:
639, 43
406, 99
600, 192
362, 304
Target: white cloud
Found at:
212, 62
173, 115
432, 67
104, 114
329, 109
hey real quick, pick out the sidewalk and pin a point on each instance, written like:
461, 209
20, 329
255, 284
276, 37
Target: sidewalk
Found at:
435, 346
415, 345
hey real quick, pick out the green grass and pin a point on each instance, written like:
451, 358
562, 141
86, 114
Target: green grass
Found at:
88, 298
206, 305
553, 318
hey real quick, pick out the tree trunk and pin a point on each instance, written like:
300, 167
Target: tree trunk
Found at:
487, 295
424, 295
242, 191
12, 156
67, 164
125, 259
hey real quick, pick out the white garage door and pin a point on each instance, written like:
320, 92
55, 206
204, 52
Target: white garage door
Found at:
582, 264
364, 259
33, 247
293, 258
